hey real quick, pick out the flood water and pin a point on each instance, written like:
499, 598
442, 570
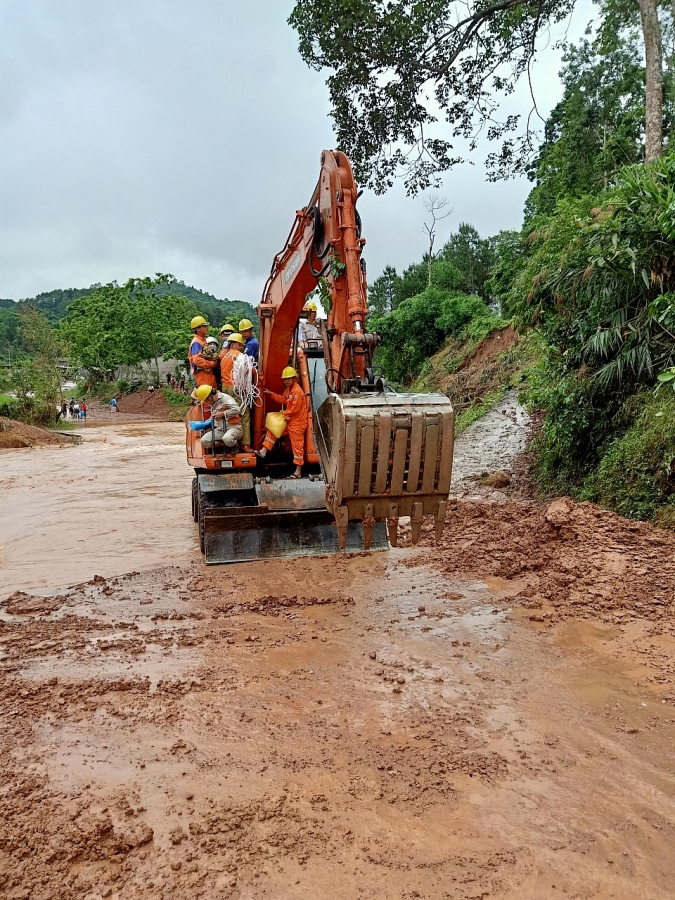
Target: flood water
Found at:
118, 501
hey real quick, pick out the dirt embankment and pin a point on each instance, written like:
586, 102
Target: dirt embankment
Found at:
14, 435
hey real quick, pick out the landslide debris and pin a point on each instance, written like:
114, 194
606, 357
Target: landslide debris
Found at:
14, 435
581, 560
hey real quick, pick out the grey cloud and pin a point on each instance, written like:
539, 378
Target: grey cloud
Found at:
143, 136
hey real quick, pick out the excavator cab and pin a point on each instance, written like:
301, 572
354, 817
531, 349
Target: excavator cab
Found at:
371, 455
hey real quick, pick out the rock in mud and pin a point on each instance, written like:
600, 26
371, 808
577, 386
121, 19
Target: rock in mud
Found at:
558, 513
500, 479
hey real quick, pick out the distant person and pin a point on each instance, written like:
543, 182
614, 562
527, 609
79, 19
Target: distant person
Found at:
64, 408
251, 345
113, 405
71, 408
83, 410
168, 377
182, 382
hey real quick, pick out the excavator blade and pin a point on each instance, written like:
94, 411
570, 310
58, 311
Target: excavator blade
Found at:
386, 455
288, 519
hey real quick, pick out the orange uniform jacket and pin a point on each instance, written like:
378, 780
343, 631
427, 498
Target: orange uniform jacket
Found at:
227, 361
296, 407
202, 369
296, 413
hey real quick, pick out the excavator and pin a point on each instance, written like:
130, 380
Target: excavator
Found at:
372, 455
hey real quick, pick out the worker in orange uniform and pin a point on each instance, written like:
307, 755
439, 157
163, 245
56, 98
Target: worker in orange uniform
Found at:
295, 413
228, 357
203, 369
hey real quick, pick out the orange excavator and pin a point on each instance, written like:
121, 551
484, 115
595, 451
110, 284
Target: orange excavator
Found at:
371, 455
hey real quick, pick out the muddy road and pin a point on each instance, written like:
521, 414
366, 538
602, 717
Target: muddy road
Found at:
492, 717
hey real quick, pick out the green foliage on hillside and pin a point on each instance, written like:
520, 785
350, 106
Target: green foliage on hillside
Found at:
54, 305
598, 281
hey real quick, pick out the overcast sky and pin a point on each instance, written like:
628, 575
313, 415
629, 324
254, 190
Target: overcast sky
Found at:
143, 136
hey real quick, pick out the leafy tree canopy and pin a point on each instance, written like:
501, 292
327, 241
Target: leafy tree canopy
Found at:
394, 63
128, 324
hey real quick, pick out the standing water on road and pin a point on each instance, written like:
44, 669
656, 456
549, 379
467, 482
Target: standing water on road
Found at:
118, 501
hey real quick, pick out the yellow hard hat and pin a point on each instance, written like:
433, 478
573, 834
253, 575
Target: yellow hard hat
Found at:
197, 322
202, 392
226, 328
235, 338
289, 372
245, 324
311, 306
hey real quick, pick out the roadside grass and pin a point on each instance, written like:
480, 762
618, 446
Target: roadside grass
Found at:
636, 474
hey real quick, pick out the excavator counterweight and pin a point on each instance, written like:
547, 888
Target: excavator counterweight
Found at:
371, 455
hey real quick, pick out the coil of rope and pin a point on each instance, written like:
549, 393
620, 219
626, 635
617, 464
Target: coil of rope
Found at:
244, 380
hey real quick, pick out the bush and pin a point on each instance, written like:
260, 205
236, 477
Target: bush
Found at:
636, 475
419, 326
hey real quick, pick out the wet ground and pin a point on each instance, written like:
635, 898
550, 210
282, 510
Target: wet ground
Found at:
491, 443
490, 717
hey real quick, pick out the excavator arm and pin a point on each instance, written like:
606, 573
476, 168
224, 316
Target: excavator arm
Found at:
383, 455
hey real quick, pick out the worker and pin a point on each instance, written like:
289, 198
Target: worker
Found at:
235, 346
226, 417
203, 369
251, 345
224, 334
295, 413
309, 331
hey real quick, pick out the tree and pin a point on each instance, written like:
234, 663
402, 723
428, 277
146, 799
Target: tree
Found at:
472, 256
383, 294
394, 63
433, 205
156, 324
128, 324
38, 380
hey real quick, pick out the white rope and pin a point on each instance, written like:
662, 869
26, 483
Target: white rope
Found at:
244, 383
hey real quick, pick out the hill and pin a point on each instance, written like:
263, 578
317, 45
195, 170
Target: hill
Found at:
54, 305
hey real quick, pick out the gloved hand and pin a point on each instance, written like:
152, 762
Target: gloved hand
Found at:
200, 426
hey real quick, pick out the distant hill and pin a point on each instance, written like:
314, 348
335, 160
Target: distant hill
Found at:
54, 304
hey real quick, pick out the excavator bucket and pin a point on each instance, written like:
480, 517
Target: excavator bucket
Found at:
242, 520
386, 455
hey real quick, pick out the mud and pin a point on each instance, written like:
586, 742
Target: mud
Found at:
490, 717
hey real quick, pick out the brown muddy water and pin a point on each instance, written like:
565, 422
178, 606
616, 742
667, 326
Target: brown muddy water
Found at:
118, 501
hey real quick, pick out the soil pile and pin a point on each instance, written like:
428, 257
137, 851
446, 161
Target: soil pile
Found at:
153, 405
577, 559
14, 435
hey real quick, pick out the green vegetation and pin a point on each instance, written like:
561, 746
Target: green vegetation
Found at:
55, 305
37, 381
589, 282
419, 325
178, 403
